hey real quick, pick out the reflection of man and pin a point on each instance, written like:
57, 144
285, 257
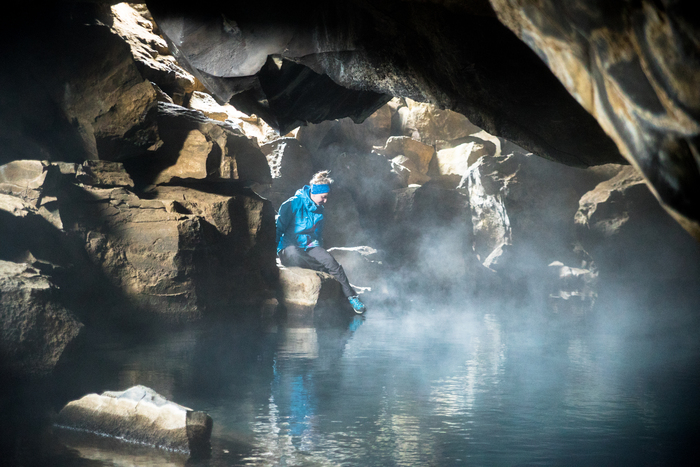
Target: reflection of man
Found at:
300, 234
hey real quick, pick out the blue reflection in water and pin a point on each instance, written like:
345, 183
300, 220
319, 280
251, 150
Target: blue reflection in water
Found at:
479, 386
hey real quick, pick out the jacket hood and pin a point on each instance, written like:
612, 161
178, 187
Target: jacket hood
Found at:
304, 194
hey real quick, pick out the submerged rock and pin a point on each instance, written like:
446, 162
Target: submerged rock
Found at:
140, 415
35, 328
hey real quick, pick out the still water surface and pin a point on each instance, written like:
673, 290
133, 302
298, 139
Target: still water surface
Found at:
458, 386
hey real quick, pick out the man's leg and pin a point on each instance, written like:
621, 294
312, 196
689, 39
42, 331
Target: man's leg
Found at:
293, 256
332, 267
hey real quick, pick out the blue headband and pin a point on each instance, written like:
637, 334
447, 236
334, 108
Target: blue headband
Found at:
319, 189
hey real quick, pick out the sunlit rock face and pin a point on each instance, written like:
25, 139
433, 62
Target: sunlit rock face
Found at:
35, 327
635, 68
583, 84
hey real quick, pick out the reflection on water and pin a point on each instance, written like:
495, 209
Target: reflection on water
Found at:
473, 386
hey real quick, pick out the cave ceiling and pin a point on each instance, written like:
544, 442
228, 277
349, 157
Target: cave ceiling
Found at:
582, 82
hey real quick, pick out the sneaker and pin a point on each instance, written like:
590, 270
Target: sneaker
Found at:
357, 305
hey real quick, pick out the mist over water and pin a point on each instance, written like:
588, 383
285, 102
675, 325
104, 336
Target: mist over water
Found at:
472, 382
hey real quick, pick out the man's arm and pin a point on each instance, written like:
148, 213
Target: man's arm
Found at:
283, 218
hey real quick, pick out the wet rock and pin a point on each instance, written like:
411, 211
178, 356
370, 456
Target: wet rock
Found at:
35, 328
525, 204
140, 415
303, 290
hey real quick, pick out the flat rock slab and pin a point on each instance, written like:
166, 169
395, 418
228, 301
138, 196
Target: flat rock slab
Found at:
140, 415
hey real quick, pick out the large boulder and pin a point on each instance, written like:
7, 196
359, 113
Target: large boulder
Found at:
177, 250
35, 328
140, 415
303, 291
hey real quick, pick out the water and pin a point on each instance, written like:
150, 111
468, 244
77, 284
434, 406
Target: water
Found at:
415, 386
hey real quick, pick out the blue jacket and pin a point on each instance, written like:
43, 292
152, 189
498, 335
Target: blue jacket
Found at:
300, 222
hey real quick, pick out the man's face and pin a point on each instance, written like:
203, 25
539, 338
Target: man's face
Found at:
320, 199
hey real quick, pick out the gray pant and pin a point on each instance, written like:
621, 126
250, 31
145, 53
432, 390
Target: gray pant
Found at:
317, 259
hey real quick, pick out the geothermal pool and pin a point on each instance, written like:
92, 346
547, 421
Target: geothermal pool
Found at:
483, 384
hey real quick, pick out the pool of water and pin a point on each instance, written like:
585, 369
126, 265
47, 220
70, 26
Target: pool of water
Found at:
483, 384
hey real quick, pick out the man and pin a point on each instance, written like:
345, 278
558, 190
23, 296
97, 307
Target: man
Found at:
300, 234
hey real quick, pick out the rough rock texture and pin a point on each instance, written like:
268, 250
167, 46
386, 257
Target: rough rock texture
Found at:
457, 160
140, 415
176, 250
35, 328
636, 68
290, 167
195, 147
418, 153
307, 289
71, 90
151, 54
430, 124
522, 207
628, 235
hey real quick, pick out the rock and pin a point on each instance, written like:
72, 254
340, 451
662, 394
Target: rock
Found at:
33, 186
35, 327
330, 138
198, 148
420, 154
306, 289
103, 174
429, 124
208, 106
527, 203
573, 289
140, 415
343, 225
364, 267
457, 160
290, 166
113, 107
635, 69
408, 171
179, 252
628, 234
429, 223
151, 53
